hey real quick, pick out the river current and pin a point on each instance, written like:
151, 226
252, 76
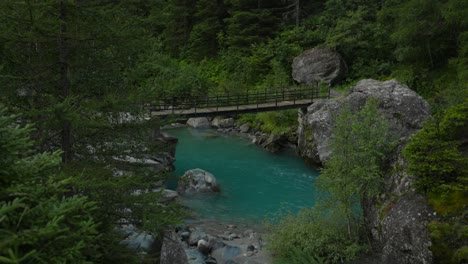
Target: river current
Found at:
255, 184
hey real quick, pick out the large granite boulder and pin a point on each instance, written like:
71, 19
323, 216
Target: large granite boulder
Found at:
319, 65
197, 181
397, 219
403, 108
199, 122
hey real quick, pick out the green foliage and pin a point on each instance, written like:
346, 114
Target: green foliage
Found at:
437, 156
298, 256
40, 221
450, 202
360, 144
449, 241
278, 122
313, 236
160, 76
434, 153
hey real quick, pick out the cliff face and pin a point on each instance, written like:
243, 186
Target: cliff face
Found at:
396, 219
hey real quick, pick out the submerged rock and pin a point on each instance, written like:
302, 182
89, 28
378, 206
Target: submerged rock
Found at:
197, 180
319, 65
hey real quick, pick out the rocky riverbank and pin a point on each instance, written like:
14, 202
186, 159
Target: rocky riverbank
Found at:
208, 241
211, 242
228, 125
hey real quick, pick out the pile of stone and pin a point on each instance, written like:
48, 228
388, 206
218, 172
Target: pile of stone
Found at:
211, 243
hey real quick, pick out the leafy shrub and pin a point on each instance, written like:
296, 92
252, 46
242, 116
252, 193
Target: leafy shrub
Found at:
314, 236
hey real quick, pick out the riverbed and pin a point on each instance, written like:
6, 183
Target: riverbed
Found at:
255, 184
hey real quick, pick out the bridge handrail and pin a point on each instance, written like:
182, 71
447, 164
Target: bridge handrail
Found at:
251, 97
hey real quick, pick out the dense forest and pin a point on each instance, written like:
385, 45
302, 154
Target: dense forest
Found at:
69, 69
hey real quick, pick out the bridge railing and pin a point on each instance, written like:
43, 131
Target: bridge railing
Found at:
257, 97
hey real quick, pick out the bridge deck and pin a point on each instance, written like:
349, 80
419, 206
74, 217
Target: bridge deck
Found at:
250, 102
251, 108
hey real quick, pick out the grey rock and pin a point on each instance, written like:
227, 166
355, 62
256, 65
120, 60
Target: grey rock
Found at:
172, 252
404, 231
272, 144
194, 256
199, 122
217, 245
397, 219
204, 247
196, 236
245, 128
185, 235
211, 260
135, 238
403, 108
169, 196
319, 65
221, 122
196, 181
248, 232
227, 253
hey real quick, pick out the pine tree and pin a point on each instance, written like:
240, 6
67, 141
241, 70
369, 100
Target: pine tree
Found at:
40, 220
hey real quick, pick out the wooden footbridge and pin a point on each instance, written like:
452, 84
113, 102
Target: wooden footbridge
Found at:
249, 102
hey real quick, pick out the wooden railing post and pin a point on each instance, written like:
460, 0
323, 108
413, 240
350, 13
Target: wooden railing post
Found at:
312, 93
172, 104
294, 96
276, 98
256, 99
217, 102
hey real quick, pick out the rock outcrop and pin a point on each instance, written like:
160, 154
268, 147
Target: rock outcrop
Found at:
319, 65
197, 181
397, 220
403, 108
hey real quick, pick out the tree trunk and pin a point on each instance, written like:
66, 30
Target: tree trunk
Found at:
298, 13
64, 82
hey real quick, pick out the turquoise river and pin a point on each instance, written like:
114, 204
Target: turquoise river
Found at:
255, 184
